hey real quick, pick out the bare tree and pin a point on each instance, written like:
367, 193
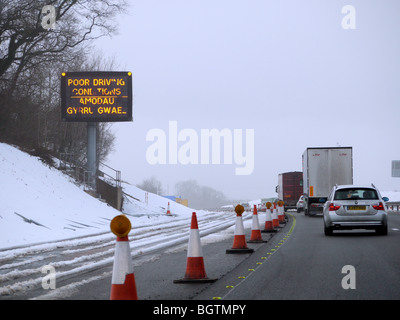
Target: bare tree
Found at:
24, 41
31, 60
152, 185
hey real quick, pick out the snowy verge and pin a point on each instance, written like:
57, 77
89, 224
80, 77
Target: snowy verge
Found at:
40, 204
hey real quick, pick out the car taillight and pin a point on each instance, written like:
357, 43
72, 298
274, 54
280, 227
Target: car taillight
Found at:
379, 206
332, 207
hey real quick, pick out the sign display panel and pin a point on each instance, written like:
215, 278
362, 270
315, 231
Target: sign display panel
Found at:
96, 96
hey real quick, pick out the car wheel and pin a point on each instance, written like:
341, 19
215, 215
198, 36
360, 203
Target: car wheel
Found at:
383, 231
328, 231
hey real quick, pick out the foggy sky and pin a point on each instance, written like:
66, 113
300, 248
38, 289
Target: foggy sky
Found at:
285, 69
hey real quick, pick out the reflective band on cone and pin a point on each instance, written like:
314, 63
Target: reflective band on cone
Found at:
239, 241
255, 228
123, 285
195, 270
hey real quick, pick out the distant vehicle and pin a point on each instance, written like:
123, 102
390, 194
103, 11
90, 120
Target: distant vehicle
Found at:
290, 188
323, 168
355, 207
300, 204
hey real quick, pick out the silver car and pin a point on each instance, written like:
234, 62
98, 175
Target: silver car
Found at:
355, 207
300, 204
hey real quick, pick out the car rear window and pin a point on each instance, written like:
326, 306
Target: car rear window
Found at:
356, 193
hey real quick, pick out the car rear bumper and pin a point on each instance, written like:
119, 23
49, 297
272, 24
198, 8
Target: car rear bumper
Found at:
358, 222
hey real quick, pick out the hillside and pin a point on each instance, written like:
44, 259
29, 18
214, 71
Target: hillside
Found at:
41, 204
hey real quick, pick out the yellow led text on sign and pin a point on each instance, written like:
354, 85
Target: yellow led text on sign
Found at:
100, 110
85, 95
102, 96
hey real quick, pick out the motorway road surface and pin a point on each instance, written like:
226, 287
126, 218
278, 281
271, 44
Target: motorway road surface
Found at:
308, 265
298, 262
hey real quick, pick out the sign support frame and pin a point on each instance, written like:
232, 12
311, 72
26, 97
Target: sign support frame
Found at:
91, 165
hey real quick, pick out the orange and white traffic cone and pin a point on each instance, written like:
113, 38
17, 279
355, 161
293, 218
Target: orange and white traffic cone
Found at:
168, 211
123, 285
281, 213
275, 221
255, 228
239, 241
268, 222
195, 271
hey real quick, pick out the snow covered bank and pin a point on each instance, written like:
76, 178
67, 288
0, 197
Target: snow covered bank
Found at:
40, 204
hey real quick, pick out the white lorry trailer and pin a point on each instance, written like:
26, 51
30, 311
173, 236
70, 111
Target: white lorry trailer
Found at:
323, 168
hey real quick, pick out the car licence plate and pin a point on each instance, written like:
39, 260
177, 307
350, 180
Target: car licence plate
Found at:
354, 208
